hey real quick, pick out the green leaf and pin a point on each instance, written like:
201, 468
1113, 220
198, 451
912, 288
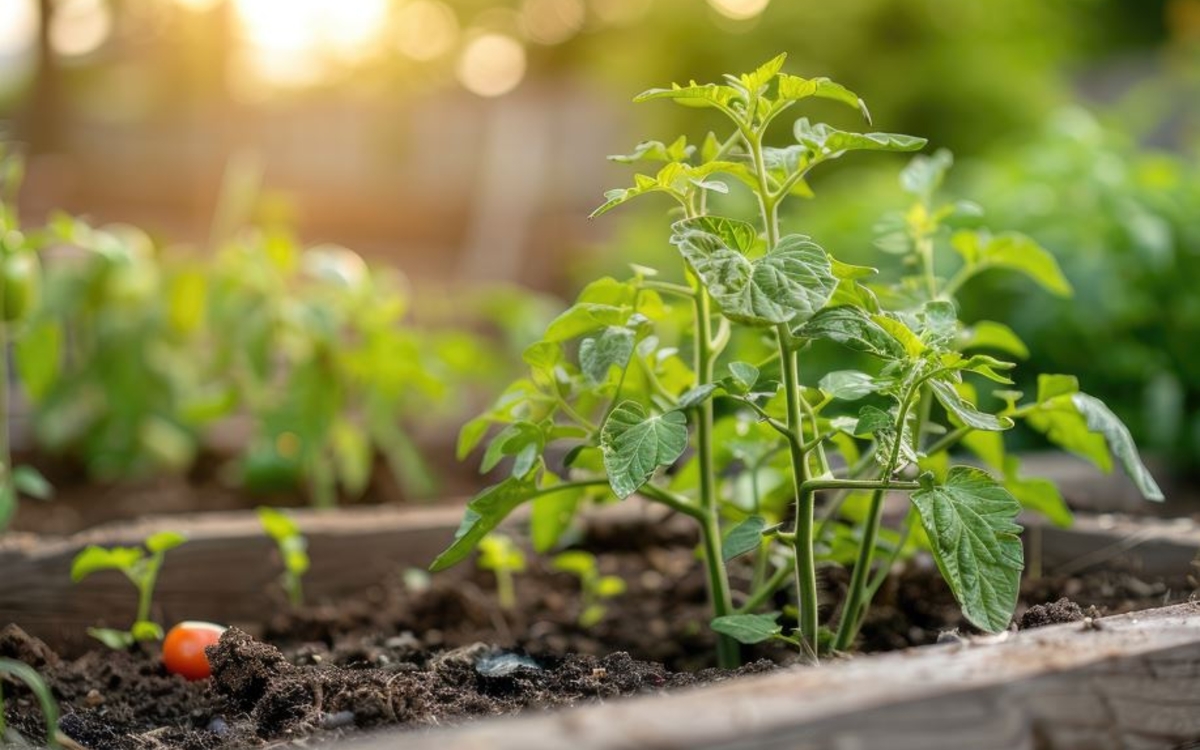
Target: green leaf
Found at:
1050, 386
1101, 420
277, 524
1036, 494
1016, 252
578, 563
789, 284
608, 587
847, 385
744, 373
795, 88
743, 538
987, 334
764, 73
748, 629
94, 559
678, 150
830, 143
164, 540
736, 234
353, 456
37, 355
970, 523
964, 410
910, 341
612, 348
635, 444
923, 175
484, 513
144, 630
693, 95
117, 640
29, 481
470, 436
585, 317
696, 396
854, 329
551, 516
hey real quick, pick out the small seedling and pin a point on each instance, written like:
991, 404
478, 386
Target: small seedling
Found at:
26, 674
293, 550
140, 565
498, 554
596, 588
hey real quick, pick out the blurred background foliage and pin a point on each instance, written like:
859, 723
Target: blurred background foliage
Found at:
462, 141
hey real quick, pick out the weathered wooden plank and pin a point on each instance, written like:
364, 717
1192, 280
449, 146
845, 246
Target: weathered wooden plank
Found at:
1134, 682
1155, 547
225, 572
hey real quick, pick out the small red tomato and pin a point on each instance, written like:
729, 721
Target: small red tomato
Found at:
183, 648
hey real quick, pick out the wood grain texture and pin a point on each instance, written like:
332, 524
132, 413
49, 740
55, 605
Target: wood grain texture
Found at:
226, 572
1133, 683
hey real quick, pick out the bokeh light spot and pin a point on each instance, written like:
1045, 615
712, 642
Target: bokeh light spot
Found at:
491, 64
426, 30
552, 21
79, 27
739, 10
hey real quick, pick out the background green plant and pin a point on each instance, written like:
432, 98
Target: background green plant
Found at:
293, 551
610, 382
26, 674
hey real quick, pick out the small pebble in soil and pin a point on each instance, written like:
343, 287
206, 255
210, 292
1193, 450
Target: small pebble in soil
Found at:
218, 726
504, 663
337, 720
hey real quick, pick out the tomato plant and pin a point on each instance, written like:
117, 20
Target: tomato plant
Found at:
700, 392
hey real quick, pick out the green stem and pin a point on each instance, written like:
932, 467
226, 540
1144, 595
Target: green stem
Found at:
728, 653
804, 559
505, 591
675, 502
764, 592
146, 586
856, 596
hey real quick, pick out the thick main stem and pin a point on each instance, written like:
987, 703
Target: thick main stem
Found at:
728, 655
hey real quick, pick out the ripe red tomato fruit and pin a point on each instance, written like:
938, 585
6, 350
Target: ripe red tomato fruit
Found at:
183, 648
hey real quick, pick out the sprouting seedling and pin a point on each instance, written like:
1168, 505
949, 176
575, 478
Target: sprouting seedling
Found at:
293, 550
30, 677
596, 588
140, 565
498, 554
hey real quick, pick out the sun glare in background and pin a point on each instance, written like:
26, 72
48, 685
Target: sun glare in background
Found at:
739, 10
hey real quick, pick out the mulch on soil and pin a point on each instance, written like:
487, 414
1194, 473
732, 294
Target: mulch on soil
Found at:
420, 652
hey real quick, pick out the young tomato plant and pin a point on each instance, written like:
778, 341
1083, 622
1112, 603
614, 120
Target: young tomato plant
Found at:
140, 565
595, 588
293, 551
505, 559
20, 291
628, 382
25, 673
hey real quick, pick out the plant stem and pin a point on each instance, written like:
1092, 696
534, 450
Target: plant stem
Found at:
146, 586
728, 653
763, 592
805, 562
856, 596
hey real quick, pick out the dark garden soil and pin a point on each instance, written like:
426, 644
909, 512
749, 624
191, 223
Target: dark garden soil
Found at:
420, 652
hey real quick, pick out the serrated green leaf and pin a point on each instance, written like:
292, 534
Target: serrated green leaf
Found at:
738, 235
764, 73
847, 385
484, 513
988, 334
897, 330
693, 95
829, 143
635, 444
678, 150
788, 284
970, 523
748, 629
470, 436
612, 348
743, 538
795, 88
854, 329
965, 411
